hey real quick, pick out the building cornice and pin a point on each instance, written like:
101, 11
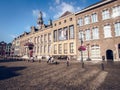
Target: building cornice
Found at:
94, 6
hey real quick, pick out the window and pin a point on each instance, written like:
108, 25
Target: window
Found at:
55, 35
45, 49
41, 38
107, 31
35, 40
55, 49
63, 33
49, 48
95, 51
81, 34
87, 20
87, 34
94, 18
60, 48
95, 33
60, 34
105, 14
41, 49
38, 39
71, 32
116, 11
80, 21
38, 49
65, 48
45, 38
64, 21
71, 47
35, 49
55, 24
49, 37
59, 23
117, 29
70, 19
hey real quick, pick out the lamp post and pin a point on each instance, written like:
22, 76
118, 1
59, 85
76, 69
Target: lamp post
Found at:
88, 59
82, 52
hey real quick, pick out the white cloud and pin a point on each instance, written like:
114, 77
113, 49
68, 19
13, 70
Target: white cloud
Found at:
44, 15
57, 1
13, 35
63, 7
36, 13
51, 8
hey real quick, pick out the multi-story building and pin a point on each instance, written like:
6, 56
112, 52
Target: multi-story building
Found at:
5, 49
97, 27
2, 48
8, 49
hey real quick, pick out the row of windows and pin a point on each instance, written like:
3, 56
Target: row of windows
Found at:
105, 15
47, 49
94, 33
65, 21
42, 49
63, 33
60, 34
41, 38
64, 48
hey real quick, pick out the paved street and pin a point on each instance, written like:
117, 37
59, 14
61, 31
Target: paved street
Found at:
23, 75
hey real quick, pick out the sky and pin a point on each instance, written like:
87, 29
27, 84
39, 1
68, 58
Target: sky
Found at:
17, 16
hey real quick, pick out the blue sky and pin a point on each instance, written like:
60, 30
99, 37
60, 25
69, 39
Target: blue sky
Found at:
17, 16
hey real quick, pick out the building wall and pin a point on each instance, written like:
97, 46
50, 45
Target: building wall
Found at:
66, 21
105, 44
96, 47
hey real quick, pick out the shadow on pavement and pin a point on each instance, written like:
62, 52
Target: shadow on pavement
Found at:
9, 72
9, 60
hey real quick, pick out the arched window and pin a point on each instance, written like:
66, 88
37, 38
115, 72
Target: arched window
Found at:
95, 51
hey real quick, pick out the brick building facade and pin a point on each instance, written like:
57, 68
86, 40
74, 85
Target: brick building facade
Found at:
97, 25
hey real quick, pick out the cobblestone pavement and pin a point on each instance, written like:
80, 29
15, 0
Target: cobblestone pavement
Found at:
23, 75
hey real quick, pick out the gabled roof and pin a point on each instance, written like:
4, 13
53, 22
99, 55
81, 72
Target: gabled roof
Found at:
66, 13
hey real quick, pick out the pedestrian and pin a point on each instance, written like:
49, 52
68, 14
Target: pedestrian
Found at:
49, 59
68, 58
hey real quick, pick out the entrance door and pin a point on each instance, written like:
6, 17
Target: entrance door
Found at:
109, 54
119, 50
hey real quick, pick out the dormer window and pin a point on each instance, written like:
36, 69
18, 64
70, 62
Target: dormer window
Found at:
59, 23
70, 19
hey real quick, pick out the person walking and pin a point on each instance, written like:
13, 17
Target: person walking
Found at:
49, 59
68, 58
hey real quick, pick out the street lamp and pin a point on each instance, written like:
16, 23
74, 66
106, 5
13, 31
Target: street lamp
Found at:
82, 52
88, 59
80, 49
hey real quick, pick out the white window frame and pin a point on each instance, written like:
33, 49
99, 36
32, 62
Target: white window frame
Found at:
88, 34
94, 18
95, 33
105, 14
80, 21
117, 29
116, 11
87, 20
107, 31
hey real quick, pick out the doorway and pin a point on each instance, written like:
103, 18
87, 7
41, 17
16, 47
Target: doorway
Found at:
109, 55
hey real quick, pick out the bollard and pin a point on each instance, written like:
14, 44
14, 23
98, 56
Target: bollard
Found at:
102, 66
67, 63
82, 64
